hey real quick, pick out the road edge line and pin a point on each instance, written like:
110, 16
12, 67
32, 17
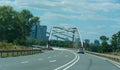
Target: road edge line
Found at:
67, 62
72, 63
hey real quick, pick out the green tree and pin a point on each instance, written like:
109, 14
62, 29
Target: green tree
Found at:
104, 46
9, 24
87, 44
28, 21
104, 38
26, 16
93, 47
115, 42
15, 26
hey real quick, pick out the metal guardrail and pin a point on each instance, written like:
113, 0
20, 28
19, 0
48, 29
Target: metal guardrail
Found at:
13, 53
112, 57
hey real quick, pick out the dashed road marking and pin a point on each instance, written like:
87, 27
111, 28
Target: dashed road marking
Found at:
52, 61
24, 62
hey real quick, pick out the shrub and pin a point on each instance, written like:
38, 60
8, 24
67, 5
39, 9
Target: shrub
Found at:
5, 45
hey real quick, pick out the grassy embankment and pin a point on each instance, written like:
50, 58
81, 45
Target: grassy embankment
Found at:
10, 46
115, 53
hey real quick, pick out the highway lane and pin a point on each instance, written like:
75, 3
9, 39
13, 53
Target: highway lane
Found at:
56, 60
92, 62
45, 61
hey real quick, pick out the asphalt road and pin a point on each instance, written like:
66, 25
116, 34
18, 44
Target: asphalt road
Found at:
57, 60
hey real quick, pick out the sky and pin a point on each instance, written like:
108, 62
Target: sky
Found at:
94, 18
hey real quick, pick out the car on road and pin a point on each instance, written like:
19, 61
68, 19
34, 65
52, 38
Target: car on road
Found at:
81, 50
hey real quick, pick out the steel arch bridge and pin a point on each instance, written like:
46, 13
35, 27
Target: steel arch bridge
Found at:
65, 31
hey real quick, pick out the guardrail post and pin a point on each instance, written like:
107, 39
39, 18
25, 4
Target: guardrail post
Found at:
1, 53
17, 53
12, 53
7, 53
20, 52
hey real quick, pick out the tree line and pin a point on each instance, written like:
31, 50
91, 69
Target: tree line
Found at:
55, 43
107, 44
16, 26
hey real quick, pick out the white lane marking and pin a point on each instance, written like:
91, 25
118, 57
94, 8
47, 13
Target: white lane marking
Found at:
118, 65
68, 62
52, 61
40, 59
72, 63
114, 63
58, 48
106, 59
24, 62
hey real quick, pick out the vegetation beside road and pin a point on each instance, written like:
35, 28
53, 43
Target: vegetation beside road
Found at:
10, 46
104, 47
114, 53
109, 56
16, 26
10, 50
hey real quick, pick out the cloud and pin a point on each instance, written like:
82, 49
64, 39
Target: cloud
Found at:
69, 9
103, 1
83, 7
115, 27
93, 15
77, 5
96, 27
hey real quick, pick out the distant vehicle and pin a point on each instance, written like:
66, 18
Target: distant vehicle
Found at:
81, 50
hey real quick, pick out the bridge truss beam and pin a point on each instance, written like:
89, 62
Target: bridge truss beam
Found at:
67, 31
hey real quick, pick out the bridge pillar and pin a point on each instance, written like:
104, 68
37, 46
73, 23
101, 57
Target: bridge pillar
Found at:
73, 37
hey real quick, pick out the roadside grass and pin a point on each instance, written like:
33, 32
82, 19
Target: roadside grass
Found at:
21, 52
15, 50
114, 53
107, 55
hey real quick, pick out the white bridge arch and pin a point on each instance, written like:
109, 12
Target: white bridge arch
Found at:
71, 32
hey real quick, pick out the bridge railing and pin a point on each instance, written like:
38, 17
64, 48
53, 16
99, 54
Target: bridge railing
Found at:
13, 53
